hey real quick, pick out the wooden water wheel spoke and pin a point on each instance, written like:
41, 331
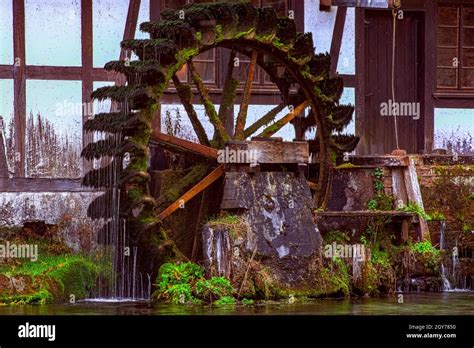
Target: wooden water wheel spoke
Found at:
185, 95
244, 105
208, 105
273, 43
228, 93
266, 119
195, 190
272, 129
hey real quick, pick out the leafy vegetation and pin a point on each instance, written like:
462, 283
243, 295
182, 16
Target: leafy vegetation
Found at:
412, 207
185, 283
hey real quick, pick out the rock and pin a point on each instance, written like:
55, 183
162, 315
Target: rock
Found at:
268, 241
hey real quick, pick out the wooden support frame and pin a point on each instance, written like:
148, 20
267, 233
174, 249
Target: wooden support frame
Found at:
195, 190
20, 72
337, 38
19, 85
87, 66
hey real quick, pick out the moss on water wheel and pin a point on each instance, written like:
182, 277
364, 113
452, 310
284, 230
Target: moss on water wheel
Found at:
287, 56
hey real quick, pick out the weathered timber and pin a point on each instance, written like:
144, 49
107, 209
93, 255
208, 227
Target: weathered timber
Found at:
186, 145
42, 185
268, 151
199, 187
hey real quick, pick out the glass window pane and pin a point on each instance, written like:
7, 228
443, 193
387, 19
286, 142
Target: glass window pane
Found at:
53, 32
346, 63
53, 129
468, 34
468, 57
446, 57
448, 37
208, 55
468, 17
206, 70
448, 16
6, 113
453, 130
109, 17
143, 16
467, 78
6, 32
447, 78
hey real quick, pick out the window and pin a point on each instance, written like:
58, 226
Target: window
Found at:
53, 32
205, 63
455, 48
6, 33
53, 129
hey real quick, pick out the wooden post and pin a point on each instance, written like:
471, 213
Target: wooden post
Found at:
87, 66
360, 81
19, 83
337, 38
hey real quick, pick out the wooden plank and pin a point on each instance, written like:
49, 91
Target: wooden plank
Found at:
430, 75
19, 83
128, 33
279, 152
298, 7
155, 10
186, 145
349, 80
34, 72
370, 213
275, 127
360, 125
6, 72
3, 156
414, 195
398, 186
199, 187
337, 38
46, 72
87, 65
42, 185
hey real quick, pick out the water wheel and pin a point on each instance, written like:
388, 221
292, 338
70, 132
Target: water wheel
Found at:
270, 42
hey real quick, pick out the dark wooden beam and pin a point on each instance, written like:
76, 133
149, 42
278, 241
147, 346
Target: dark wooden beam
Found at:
45, 72
360, 80
34, 72
429, 76
87, 68
298, 7
198, 188
6, 71
155, 10
189, 146
265, 97
19, 83
42, 185
337, 34
128, 33
349, 80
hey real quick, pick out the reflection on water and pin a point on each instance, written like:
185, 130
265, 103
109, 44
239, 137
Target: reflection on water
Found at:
447, 303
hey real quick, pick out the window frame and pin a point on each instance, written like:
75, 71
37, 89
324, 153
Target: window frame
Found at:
459, 89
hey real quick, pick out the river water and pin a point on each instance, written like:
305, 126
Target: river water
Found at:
444, 303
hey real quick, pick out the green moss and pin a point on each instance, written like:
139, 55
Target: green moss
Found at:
346, 166
198, 36
53, 278
236, 225
185, 283
243, 34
